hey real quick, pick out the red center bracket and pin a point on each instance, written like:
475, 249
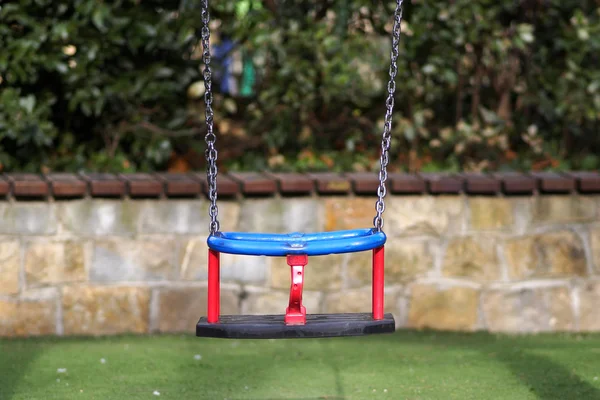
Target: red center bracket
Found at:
295, 314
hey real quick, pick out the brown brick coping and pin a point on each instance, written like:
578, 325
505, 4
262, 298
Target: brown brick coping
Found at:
161, 185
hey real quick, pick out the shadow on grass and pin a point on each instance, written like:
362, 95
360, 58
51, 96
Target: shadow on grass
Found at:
16, 356
339, 388
545, 378
240, 371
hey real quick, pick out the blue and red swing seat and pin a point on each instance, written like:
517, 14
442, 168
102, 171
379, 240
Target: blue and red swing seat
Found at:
295, 323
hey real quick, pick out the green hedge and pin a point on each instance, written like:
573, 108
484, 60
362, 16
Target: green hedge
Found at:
95, 85
482, 85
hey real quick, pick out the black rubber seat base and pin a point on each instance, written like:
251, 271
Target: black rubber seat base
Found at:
273, 327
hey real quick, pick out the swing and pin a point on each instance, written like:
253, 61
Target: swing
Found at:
296, 247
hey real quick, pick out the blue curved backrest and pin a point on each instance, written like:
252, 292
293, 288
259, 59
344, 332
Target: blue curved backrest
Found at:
312, 244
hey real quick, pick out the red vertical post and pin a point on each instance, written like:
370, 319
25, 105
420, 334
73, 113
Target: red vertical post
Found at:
295, 313
214, 289
378, 263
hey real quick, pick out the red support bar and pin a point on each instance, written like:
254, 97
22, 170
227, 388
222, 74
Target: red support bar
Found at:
295, 314
378, 263
214, 289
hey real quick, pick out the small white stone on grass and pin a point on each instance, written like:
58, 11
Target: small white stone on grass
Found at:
595, 378
384, 390
197, 357
156, 393
61, 370
102, 361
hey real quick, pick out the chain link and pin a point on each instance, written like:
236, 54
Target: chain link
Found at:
210, 138
387, 127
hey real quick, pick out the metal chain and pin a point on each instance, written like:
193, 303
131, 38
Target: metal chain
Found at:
210, 138
387, 127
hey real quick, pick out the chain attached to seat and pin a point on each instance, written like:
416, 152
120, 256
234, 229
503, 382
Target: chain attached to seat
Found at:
210, 138
386, 140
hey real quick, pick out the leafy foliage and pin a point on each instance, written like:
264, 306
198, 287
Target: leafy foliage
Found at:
97, 85
482, 85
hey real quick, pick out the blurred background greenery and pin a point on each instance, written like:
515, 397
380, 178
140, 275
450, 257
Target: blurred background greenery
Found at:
117, 86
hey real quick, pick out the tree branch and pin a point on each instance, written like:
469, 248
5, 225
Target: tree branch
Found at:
477, 92
157, 130
459, 92
271, 6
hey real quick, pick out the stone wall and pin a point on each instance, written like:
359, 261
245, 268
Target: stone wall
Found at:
455, 262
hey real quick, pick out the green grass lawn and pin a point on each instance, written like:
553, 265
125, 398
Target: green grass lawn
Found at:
405, 365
